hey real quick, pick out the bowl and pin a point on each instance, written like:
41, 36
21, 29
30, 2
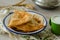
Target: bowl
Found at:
7, 18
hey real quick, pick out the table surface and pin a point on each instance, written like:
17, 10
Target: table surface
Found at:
47, 14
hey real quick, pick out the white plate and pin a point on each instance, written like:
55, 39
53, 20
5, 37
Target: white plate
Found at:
7, 18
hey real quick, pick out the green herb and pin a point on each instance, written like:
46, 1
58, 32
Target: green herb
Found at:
46, 38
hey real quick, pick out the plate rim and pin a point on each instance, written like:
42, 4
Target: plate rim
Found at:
23, 32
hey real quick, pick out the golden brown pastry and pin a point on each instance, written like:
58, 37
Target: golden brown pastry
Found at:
19, 17
23, 21
33, 25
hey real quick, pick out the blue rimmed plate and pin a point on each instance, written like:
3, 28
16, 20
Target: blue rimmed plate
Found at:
7, 18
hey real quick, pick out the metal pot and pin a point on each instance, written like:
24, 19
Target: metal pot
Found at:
47, 3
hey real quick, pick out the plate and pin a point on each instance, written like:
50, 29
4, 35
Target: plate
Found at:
7, 18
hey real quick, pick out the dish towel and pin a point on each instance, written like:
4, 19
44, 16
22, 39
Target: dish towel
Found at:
44, 35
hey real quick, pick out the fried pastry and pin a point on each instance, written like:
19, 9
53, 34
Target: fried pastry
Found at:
25, 22
38, 18
28, 27
19, 17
